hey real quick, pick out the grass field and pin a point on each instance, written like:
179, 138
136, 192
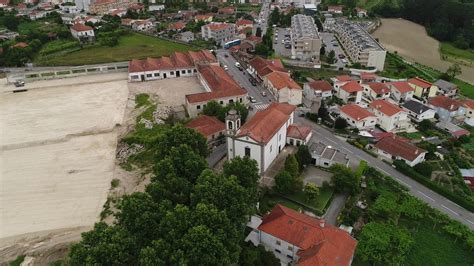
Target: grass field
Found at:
43, 25
131, 46
456, 54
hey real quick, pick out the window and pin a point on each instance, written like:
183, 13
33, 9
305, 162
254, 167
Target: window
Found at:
279, 137
171, 72
198, 107
157, 74
149, 75
231, 100
230, 125
135, 77
277, 250
290, 248
278, 242
271, 148
221, 102
183, 71
240, 99
247, 151
189, 71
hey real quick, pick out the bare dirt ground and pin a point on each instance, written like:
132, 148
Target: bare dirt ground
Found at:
410, 40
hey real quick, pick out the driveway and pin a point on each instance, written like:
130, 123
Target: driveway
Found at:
316, 175
433, 199
336, 206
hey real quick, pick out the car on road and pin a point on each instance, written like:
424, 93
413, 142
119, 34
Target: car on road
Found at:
252, 81
344, 61
19, 83
226, 55
226, 67
252, 99
264, 94
341, 56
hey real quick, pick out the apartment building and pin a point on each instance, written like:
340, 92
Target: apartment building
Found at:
306, 42
359, 45
220, 32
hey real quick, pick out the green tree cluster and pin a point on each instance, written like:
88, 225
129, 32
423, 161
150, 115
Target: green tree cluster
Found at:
213, 108
289, 180
344, 179
188, 214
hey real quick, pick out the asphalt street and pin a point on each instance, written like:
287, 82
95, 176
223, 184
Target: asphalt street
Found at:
431, 198
327, 38
242, 78
262, 20
279, 42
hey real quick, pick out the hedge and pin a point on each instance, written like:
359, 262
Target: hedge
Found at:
460, 200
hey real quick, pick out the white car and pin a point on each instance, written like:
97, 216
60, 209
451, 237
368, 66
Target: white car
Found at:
237, 64
226, 67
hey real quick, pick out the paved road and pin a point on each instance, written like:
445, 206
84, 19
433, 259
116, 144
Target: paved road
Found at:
327, 39
262, 20
216, 155
433, 199
336, 206
242, 78
278, 38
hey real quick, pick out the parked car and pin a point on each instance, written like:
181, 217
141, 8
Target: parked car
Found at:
226, 67
253, 82
19, 83
341, 56
264, 94
226, 55
252, 99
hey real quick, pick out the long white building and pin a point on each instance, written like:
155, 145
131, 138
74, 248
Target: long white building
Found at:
306, 42
360, 46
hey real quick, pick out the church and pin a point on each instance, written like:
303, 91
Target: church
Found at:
265, 135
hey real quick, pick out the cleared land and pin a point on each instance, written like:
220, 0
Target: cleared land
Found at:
131, 46
451, 53
58, 154
411, 41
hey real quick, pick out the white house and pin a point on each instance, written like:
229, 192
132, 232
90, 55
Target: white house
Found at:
418, 111
283, 87
468, 111
389, 116
446, 108
263, 137
349, 92
393, 148
325, 156
219, 32
298, 135
337, 9
401, 91
375, 90
298, 239
82, 32
142, 25
317, 89
358, 117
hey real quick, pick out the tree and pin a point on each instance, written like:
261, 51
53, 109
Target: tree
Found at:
284, 182
177, 135
425, 125
274, 17
454, 70
344, 180
258, 32
291, 166
331, 57
311, 191
262, 49
303, 156
323, 112
456, 229
424, 168
383, 244
413, 208
247, 173
322, 51
386, 206
212, 108
340, 123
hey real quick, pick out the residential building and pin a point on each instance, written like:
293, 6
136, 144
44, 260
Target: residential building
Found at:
468, 176
401, 91
4, 3
361, 13
359, 45
263, 137
455, 130
445, 107
389, 116
423, 88
358, 117
283, 87
120, 12
142, 25
219, 87
468, 106
298, 135
186, 36
418, 111
155, 7
349, 92
206, 18
368, 77
335, 9
259, 67
83, 5
298, 239
375, 91
394, 148
82, 32
300, 3
227, 11
326, 156
446, 88
102, 7
306, 42
317, 89
177, 26
220, 32
244, 23
210, 127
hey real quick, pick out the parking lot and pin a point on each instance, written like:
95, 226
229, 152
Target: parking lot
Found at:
279, 42
331, 44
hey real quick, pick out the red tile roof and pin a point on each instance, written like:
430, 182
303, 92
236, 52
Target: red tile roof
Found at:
378, 87
5, 2
352, 86
397, 147
254, 39
81, 27
177, 26
176, 60
468, 103
242, 22
401, 86
298, 131
338, 8
420, 82
202, 17
445, 103
202, 56
265, 67
281, 80
385, 107
355, 112
217, 26
220, 83
226, 10
321, 85
20, 45
344, 78
206, 125
368, 76
265, 124
319, 242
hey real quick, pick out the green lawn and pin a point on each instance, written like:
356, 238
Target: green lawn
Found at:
17, 261
413, 135
131, 46
57, 46
320, 203
43, 25
433, 247
451, 52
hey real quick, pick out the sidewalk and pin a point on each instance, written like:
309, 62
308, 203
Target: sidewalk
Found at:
277, 165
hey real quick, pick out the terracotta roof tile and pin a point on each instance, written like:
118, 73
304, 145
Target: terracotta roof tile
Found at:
385, 107
378, 87
202, 17
242, 22
468, 103
397, 147
176, 60
206, 125
319, 242
343, 78
352, 86
321, 85
355, 112
265, 67
177, 26
401, 86
264, 124
81, 27
420, 82
445, 103
368, 76
217, 26
281, 80
298, 131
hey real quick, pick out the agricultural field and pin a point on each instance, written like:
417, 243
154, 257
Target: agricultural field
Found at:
131, 46
451, 53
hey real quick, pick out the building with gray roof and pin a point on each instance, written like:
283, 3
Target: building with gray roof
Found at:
306, 42
326, 156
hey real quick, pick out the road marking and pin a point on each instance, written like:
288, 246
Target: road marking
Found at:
347, 150
426, 195
398, 179
449, 209
261, 106
331, 141
470, 221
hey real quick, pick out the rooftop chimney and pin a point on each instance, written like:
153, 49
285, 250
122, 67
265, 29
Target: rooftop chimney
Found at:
322, 223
